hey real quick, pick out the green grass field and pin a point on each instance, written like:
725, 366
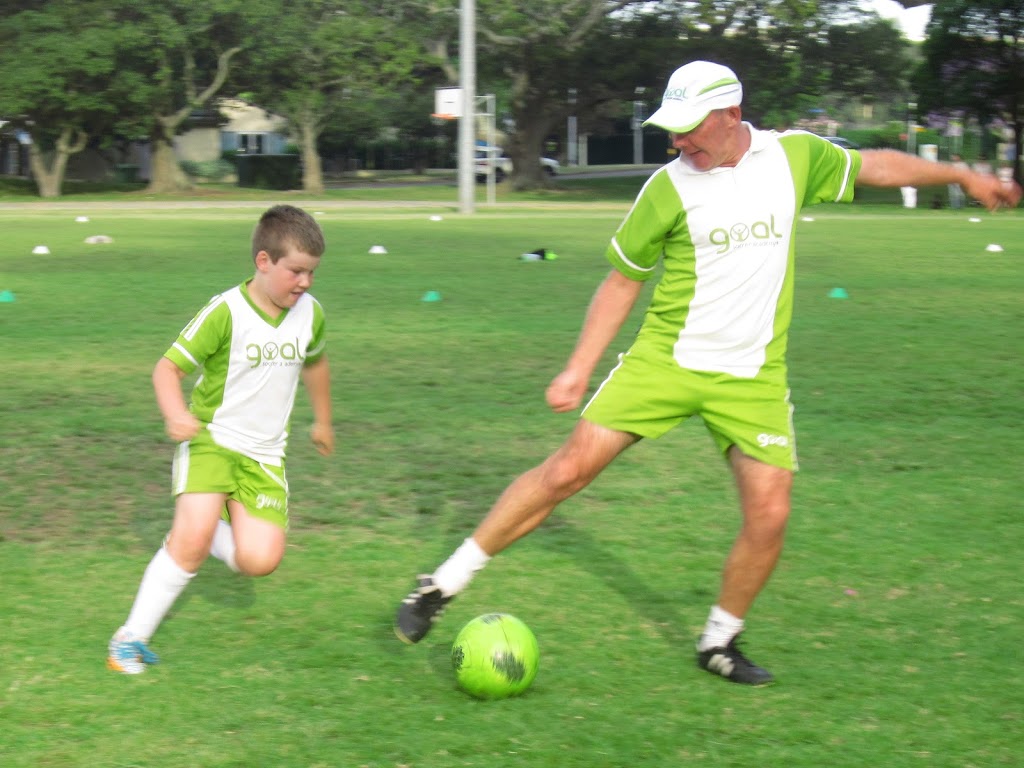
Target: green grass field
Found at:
892, 623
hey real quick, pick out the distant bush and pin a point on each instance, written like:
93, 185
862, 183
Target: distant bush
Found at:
269, 171
208, 170
890, 136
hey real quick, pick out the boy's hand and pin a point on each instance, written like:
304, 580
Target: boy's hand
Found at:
182, 427
323, 438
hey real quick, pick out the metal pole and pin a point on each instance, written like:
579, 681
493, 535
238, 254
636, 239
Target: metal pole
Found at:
911, 123
467, 123
638, 125
492, 112
638, 133
571, 156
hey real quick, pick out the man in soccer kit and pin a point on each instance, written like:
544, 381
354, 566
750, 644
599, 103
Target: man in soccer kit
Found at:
253, 343
721, 219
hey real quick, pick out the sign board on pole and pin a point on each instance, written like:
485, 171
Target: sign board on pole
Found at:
448, 103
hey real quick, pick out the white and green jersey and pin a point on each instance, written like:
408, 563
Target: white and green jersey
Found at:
251, 369
725, 298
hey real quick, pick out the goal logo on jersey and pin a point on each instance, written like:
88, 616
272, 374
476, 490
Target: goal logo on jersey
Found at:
741, 234
271, 353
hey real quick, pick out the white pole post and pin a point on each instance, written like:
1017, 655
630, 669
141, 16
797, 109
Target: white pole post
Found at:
638, 126
911, 124
467, 123
571, 156
492, 116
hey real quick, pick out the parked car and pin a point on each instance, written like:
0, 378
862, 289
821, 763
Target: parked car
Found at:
839, 141
503, 164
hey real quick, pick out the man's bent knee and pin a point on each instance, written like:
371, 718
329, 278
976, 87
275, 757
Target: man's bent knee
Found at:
563, 476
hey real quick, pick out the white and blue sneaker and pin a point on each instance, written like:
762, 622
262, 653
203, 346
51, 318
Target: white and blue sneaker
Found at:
129, 654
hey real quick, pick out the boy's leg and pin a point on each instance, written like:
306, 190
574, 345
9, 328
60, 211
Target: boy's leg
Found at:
259, 543
259, 517
165, 578
223, 545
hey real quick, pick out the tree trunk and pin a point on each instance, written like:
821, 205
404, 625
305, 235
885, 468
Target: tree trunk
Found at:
165, 171
49, 172
312, 170
527, 143
166, 174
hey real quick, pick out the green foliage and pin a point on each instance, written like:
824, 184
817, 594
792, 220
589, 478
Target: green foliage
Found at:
211, 170
53, 80
974, 63
868, 61
337, 59
885, 137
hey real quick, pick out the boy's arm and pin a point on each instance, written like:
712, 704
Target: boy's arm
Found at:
179, 422
317, 379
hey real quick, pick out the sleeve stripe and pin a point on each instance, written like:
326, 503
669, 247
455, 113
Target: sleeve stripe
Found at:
184, 352
626, 261
846, 175
193, 328
316, 352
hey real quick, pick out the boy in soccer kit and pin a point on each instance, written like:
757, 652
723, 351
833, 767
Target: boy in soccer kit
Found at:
254, 343
721, 220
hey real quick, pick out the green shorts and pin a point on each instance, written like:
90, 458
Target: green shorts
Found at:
203, 466
648, 398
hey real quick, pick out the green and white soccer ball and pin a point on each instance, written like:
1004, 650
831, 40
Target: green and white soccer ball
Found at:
495, 656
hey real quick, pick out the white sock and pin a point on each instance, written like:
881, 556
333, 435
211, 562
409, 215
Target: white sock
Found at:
458, 570
722, 627
223, 545
161, 584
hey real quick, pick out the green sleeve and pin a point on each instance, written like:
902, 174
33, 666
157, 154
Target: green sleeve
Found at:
318, 343
822, 172
639, 242
208, 333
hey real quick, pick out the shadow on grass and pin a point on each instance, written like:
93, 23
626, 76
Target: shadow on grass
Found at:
660, 608
216, 584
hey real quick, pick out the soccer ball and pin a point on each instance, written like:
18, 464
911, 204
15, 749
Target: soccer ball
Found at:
495, 656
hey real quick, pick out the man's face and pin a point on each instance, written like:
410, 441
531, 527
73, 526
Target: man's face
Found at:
711, 144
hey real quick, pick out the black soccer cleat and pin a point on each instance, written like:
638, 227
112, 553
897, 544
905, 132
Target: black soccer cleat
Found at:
418, 612
730, 663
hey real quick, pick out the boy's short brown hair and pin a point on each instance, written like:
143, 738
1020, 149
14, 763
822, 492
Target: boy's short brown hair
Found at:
283, 226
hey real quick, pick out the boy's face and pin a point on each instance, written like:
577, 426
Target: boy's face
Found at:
283, 283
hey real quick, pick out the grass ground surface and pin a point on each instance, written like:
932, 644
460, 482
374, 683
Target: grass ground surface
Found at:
892, 623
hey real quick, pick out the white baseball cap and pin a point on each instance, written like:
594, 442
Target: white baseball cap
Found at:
694, 90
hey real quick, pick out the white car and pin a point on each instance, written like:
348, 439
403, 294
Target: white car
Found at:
503, 164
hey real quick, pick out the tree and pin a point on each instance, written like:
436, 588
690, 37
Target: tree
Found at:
527, 46
179, 53
868, 62
61, 88
317, 61
541, 48
974, 62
